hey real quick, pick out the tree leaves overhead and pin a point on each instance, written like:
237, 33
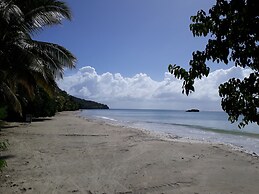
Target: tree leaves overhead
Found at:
240, 97
41, 13
10, 11
233, 28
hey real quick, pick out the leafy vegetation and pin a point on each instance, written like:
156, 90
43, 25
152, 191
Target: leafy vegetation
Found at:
233, 27
87, 104
26, 64
44, 105
3, 113
41, 106
66, 102
28, 67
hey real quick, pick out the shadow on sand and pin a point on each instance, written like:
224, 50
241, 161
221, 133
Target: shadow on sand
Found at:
41, 119
6, 157
9, 127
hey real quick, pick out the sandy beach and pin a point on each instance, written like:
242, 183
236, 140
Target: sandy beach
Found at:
69, 154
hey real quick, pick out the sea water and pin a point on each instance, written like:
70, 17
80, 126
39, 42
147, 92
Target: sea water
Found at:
203, 126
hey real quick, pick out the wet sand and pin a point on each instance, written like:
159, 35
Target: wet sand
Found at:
68, 154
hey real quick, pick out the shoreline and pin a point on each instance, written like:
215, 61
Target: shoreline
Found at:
170, 136
68, 154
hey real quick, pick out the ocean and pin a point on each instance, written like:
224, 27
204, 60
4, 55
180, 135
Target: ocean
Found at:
205, 126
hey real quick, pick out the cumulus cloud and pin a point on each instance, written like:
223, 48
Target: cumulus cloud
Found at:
141, 91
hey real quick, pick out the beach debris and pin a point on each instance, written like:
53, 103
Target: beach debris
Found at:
12, 184
23, 189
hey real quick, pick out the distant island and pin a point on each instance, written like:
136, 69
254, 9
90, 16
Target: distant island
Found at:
193, 110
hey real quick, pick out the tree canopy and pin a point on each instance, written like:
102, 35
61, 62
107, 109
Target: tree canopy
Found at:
233, 28
24, 62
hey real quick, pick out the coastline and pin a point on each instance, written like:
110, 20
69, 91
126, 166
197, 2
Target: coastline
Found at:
69, 154
207, 126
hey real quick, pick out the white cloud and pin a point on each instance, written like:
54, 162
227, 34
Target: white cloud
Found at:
141, 91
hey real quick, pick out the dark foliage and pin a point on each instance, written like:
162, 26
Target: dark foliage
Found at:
233, 27
25, 62
43, 105
87, 104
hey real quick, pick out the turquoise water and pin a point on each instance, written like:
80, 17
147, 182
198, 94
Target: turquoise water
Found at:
202, 126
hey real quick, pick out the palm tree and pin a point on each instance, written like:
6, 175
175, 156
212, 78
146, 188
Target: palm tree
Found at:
25, 62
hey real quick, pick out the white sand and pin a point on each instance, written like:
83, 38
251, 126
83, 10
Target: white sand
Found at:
67, 154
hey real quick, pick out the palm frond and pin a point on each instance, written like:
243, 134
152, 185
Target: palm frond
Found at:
48, 86
41, 13
58, 53
54, 57
10, 97
26, 62
9, 11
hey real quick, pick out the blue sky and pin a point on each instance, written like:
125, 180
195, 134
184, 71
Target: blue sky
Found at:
130, 36
124, 47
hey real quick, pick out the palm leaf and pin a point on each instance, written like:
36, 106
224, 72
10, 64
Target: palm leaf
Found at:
8, 10
48, 86
56, 52
41, 13
24, 61
52, 57
10, 97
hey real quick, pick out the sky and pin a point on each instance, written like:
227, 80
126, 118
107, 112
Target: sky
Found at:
124, 47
